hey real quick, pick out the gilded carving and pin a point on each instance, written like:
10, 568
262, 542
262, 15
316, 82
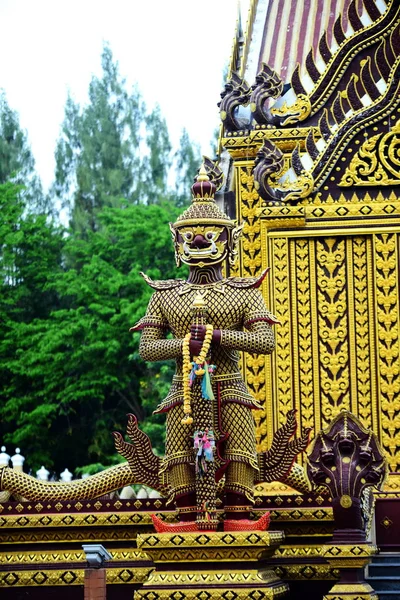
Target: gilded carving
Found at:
279, 591
69, 534
306, 572
387, 317
280, 258
377, 162
63, 556
222, 580
304, 390
333, 327
251, 260
68, 577
85, 520
298, 111
297, 551
361, 252
251, 244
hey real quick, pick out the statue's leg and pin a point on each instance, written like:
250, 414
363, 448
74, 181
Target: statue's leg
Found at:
238, 490
179, 459
240, 449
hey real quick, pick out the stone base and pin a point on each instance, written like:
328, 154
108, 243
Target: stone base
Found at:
351, 560
210, 566
354, 591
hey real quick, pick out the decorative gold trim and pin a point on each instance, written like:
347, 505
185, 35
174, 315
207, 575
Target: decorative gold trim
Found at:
298, 111
282, 217
376, 162
69, 577
25, 521
241, 145
70, 535
355, 591
65, 556
209, 546
307, 572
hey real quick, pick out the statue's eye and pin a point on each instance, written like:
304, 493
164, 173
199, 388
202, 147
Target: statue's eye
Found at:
188, 236
209, 235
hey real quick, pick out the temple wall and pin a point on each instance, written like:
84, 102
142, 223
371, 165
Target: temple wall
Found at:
334, 286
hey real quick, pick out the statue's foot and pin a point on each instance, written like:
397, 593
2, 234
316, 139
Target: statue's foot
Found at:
181, 527
248, 525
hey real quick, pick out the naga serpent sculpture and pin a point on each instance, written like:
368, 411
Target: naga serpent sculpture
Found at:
144, 467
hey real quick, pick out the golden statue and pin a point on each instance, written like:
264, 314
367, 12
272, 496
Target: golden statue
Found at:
210, 427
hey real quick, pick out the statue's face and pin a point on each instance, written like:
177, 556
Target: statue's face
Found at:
202, 245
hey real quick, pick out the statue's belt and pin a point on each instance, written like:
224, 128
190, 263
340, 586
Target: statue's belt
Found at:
215, 378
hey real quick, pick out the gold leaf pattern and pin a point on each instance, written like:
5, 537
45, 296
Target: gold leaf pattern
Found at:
333, 327
362, 332
303, 313
387, 297
377, 162
250, 264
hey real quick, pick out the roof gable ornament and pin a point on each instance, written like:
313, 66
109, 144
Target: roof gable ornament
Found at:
267, 85
376, 162
310, 91
373, 93
236, 94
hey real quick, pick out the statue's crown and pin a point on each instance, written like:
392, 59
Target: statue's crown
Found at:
203, 208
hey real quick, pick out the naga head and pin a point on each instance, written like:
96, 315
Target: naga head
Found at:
236, 93
203, 235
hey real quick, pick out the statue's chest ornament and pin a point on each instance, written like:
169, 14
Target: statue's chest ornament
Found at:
202, 290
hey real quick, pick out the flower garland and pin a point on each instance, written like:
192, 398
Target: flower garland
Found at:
196, 368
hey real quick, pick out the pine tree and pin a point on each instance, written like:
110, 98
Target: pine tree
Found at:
16, 160
187, 162
97, 156
156, 164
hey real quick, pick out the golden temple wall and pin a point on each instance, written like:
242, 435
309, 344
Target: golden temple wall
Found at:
334, 285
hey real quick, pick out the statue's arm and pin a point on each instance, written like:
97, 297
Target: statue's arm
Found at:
259, 336
154, 346
259, 339
154, 326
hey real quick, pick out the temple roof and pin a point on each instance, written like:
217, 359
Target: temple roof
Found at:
281, 33
340, 95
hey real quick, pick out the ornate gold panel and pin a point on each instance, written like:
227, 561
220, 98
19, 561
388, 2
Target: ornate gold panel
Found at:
250, 264
332, 319
336, 294
376, 162
386, 258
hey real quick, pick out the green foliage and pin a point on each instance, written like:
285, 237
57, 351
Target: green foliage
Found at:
30, 255
109, 150
16, 158
156, 164
76, 373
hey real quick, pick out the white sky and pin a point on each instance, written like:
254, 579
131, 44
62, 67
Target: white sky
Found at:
174, 49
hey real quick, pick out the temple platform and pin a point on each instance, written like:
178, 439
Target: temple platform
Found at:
211, 566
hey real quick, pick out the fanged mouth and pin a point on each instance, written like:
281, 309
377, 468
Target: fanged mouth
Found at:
212, 250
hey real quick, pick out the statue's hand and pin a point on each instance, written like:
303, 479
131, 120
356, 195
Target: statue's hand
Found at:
197, 335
